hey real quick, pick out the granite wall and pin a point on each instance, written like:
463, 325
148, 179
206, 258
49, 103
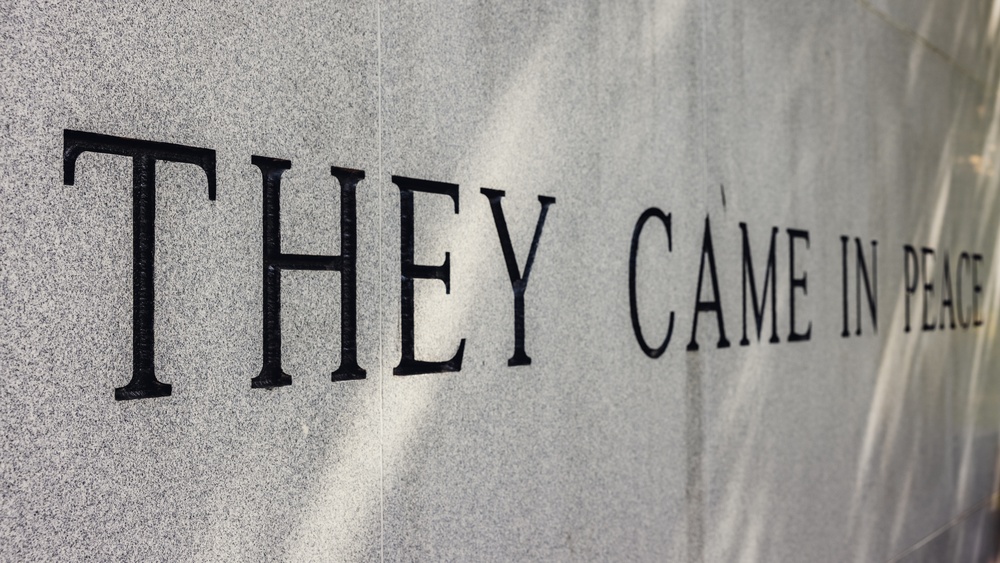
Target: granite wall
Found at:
857, 139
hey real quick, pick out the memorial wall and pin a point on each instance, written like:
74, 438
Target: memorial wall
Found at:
680, 280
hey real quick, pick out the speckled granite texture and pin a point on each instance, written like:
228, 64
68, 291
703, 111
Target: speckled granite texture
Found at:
875, 119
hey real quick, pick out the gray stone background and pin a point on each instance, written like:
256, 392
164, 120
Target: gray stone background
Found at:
869, 118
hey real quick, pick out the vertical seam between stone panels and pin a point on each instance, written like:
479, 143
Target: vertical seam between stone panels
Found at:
694, 428
702, 55
381, 265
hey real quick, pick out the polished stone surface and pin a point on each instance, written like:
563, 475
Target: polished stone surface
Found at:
873, 119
